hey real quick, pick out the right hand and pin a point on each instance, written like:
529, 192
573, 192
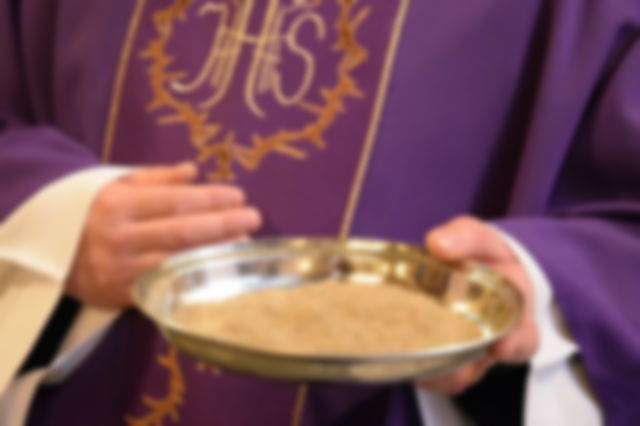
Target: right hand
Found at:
137, 221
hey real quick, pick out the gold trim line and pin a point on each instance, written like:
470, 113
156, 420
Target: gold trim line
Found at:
301, 397
365, 156
121, 71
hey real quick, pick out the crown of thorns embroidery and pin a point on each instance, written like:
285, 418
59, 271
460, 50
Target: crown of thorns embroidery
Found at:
219, 145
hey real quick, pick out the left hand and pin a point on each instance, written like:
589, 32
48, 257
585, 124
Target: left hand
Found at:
469, 238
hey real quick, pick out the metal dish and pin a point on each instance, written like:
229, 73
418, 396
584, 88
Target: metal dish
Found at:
219, 272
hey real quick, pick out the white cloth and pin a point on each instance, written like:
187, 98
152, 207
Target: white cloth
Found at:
37, 244
553, 394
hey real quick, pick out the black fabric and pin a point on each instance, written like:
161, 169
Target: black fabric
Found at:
498, 400
52, 336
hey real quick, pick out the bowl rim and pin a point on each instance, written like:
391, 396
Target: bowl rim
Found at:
193, 257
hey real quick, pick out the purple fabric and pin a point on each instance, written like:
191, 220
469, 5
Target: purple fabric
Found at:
560, 161
590, 249
122, 371
52, 97
566, 174
589, 261
522, 112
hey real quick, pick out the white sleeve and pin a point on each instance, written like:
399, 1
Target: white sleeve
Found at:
37, 245
553, 395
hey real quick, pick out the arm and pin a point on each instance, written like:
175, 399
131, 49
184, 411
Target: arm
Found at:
553, 365
590, 248
539, 339
32, 151
588, 244
39, 223
112, 230
550, 367
593, 268
37, 246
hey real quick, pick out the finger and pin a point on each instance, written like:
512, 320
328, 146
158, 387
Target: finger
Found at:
467, 237
159, 201
163, 175
145, 262
242, 238
182, 232
518, 346
457, 382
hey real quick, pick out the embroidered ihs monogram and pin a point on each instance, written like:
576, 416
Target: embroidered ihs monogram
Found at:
272, 77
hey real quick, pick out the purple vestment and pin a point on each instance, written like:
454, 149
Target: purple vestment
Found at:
523, 112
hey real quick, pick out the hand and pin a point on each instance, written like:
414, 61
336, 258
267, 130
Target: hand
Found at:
469, 238
137, 221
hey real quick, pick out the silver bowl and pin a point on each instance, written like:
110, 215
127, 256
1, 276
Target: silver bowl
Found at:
219, 272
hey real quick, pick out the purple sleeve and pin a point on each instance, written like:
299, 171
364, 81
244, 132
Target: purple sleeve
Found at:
32, 151
590, 248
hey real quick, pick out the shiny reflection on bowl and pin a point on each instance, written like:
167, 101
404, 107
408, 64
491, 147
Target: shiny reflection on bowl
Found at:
220, 272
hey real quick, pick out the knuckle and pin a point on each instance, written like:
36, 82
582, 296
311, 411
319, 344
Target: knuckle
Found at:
109, 198
143, 174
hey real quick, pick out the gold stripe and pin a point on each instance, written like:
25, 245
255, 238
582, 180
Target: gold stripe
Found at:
363, 164
365, 156
121, 71
301, 398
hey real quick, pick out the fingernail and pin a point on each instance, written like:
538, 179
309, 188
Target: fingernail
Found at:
236, 197
228, 197
446, 243
252, 219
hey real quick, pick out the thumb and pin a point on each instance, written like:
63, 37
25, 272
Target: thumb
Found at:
466, 237
178, 174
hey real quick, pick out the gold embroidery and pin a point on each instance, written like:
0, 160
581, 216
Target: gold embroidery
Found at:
212, 142
298, 408
225, 53
263, 74
166, 407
